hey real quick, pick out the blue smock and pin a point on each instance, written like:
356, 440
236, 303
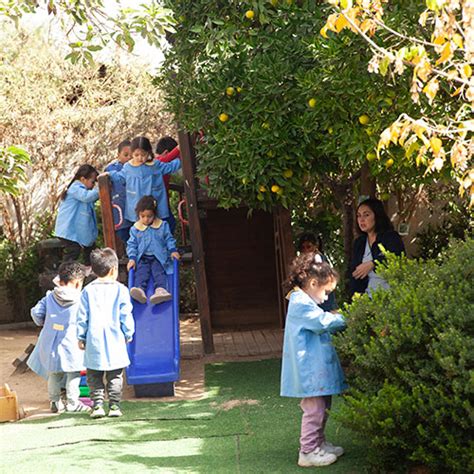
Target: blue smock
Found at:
105, 323
118, 195
310, 365
56, 349
155, 239
145, 180
76, 218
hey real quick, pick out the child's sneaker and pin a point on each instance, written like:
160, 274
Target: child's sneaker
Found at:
331, 449
77, 408
114, 411
318, 457
160, 296
98, 412
138, 294
56, 407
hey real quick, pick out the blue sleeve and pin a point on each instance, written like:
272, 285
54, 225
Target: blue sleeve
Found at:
117, 176
319, 321
169, 239
38, 313
166, 168
82, 194
82, 318
132, 244
127, 323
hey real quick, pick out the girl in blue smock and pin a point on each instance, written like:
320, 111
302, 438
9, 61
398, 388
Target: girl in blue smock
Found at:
143, 176
151, 248
310, 367
76, 223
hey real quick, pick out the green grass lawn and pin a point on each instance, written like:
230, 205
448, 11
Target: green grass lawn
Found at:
187, 436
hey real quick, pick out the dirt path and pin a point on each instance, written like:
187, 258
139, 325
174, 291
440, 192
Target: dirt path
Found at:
32, 390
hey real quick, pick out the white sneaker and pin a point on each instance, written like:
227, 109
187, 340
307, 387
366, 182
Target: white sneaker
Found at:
318, 457
77, 408
98, 412
114, 411
331, 449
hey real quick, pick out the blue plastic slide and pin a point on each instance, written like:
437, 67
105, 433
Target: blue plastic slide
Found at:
154, 352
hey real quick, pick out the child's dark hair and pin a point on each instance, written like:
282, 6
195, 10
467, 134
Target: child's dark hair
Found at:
70, 271
84, 171
123, 145
142, 143
103, 260
146, 203
307, 266
310, 237
382, 221
165, 144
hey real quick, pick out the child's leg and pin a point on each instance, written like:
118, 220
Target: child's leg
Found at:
55, 380
73, 380
142, 272
312, 423
114, 386
159, 276
95, 380
328, 401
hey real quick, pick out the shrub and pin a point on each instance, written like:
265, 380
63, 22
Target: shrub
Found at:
409, 354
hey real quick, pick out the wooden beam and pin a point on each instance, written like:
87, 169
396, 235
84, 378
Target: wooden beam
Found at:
107, 215
188, 162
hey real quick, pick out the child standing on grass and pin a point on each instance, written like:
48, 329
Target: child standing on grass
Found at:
118, 190
310, 367
56, 356
151, 248
76, 224
104, 327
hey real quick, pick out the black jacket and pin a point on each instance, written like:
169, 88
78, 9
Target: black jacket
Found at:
390, 240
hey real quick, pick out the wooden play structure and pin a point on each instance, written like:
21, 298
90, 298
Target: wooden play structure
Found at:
239, 261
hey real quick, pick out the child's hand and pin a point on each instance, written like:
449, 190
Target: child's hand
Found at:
130, 265
175, 255
82, 345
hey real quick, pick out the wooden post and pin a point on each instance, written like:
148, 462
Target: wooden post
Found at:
106, 210
188, 162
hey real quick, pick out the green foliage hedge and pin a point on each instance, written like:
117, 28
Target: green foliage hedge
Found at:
409, 354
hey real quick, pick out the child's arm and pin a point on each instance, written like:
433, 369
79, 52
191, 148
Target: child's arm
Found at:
82, 320
115, 176
170, 156
319, 321
127, 323
170, 241
167, 168
84, 195
38, 312
132, 248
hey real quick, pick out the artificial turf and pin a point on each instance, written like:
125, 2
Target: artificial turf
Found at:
187, 436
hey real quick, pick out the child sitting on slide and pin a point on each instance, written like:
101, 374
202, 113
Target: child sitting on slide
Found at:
151, 248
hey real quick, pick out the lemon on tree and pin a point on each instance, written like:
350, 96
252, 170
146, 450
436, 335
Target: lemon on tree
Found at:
245, 180
371, 156
312, 102
288, 173
249, 14
275, 188
262, 189
230, 91
389, 163
364, 119
223, 117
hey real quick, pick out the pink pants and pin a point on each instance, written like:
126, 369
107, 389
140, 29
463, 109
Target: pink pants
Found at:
313, 422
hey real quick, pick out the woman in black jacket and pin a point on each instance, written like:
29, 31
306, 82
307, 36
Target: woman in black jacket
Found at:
376, 229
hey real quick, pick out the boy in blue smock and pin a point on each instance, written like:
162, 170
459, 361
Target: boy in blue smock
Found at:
310, 367
56, 356
104, 327
143, 176
151, 248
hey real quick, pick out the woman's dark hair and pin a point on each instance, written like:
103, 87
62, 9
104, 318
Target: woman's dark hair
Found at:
146, 203
310, 237
382, 221
307, 266
84, 171
124, 144
142, 143
165, 144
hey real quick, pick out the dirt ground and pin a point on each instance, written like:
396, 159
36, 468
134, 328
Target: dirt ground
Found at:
32, 390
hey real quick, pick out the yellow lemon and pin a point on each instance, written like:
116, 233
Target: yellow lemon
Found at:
262, 189
389, 163
330, 130
266, 125
288, 173
245, 180
371, 156
312, 103
238, 89
275, 188
223, 118
230, 91
364, 119
249, 14
260, 197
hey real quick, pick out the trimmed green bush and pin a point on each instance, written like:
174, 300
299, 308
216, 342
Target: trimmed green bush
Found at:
409, 355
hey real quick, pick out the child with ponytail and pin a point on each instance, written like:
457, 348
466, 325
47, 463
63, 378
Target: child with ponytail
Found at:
76, 223
310, 367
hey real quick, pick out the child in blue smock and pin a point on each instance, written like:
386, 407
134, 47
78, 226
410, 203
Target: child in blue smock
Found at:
104, 327
76, 224
118, 191
143, 176
310, 367
56, 356
151, 248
